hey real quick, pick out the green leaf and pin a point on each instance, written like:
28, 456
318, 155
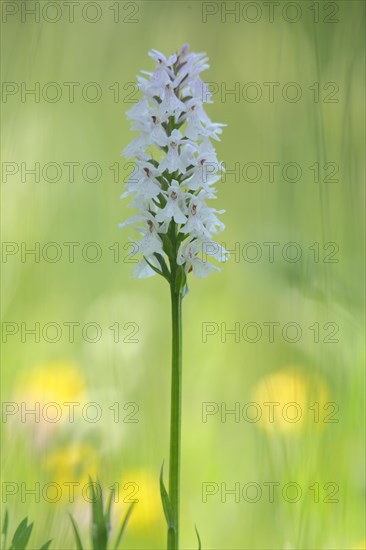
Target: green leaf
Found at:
167, 245
79, 545
4, 530
168, 510
21, 535
185, 290
153, 162
172, 229
181, 280
164, 268
124, 525
99, 528
153, 267
109, 509
46, 546
199, 539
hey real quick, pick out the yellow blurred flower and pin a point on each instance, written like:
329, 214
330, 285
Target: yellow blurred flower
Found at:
51, 382
144, 487
46, 398
73, 464
288, 399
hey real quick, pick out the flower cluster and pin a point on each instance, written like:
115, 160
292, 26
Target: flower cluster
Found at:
176, 169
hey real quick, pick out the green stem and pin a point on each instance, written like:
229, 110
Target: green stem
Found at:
176, 405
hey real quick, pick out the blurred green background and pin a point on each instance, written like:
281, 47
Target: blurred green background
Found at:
306, 292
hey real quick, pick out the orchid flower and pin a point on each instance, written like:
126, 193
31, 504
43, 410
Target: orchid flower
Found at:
176, 170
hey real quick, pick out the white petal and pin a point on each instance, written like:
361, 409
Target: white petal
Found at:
203, 269
142, 270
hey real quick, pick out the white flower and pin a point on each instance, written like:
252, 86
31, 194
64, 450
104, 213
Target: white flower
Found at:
170, 104
188, 257
143, 182
202, 220
196, 119
162, 60
173, 160
206, 169
142, 270
146, 120
200, 89
175, 205
215, 250
137, 148
176, 170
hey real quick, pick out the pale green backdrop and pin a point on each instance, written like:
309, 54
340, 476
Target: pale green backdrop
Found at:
322, 214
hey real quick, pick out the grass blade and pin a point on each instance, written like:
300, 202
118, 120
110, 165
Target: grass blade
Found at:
79, 545
198, 537
124, 525
99, 528
46, 546
109, 509
168, 510
4, 530
22, 535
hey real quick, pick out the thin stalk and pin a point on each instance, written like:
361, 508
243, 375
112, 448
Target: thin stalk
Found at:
175, 411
